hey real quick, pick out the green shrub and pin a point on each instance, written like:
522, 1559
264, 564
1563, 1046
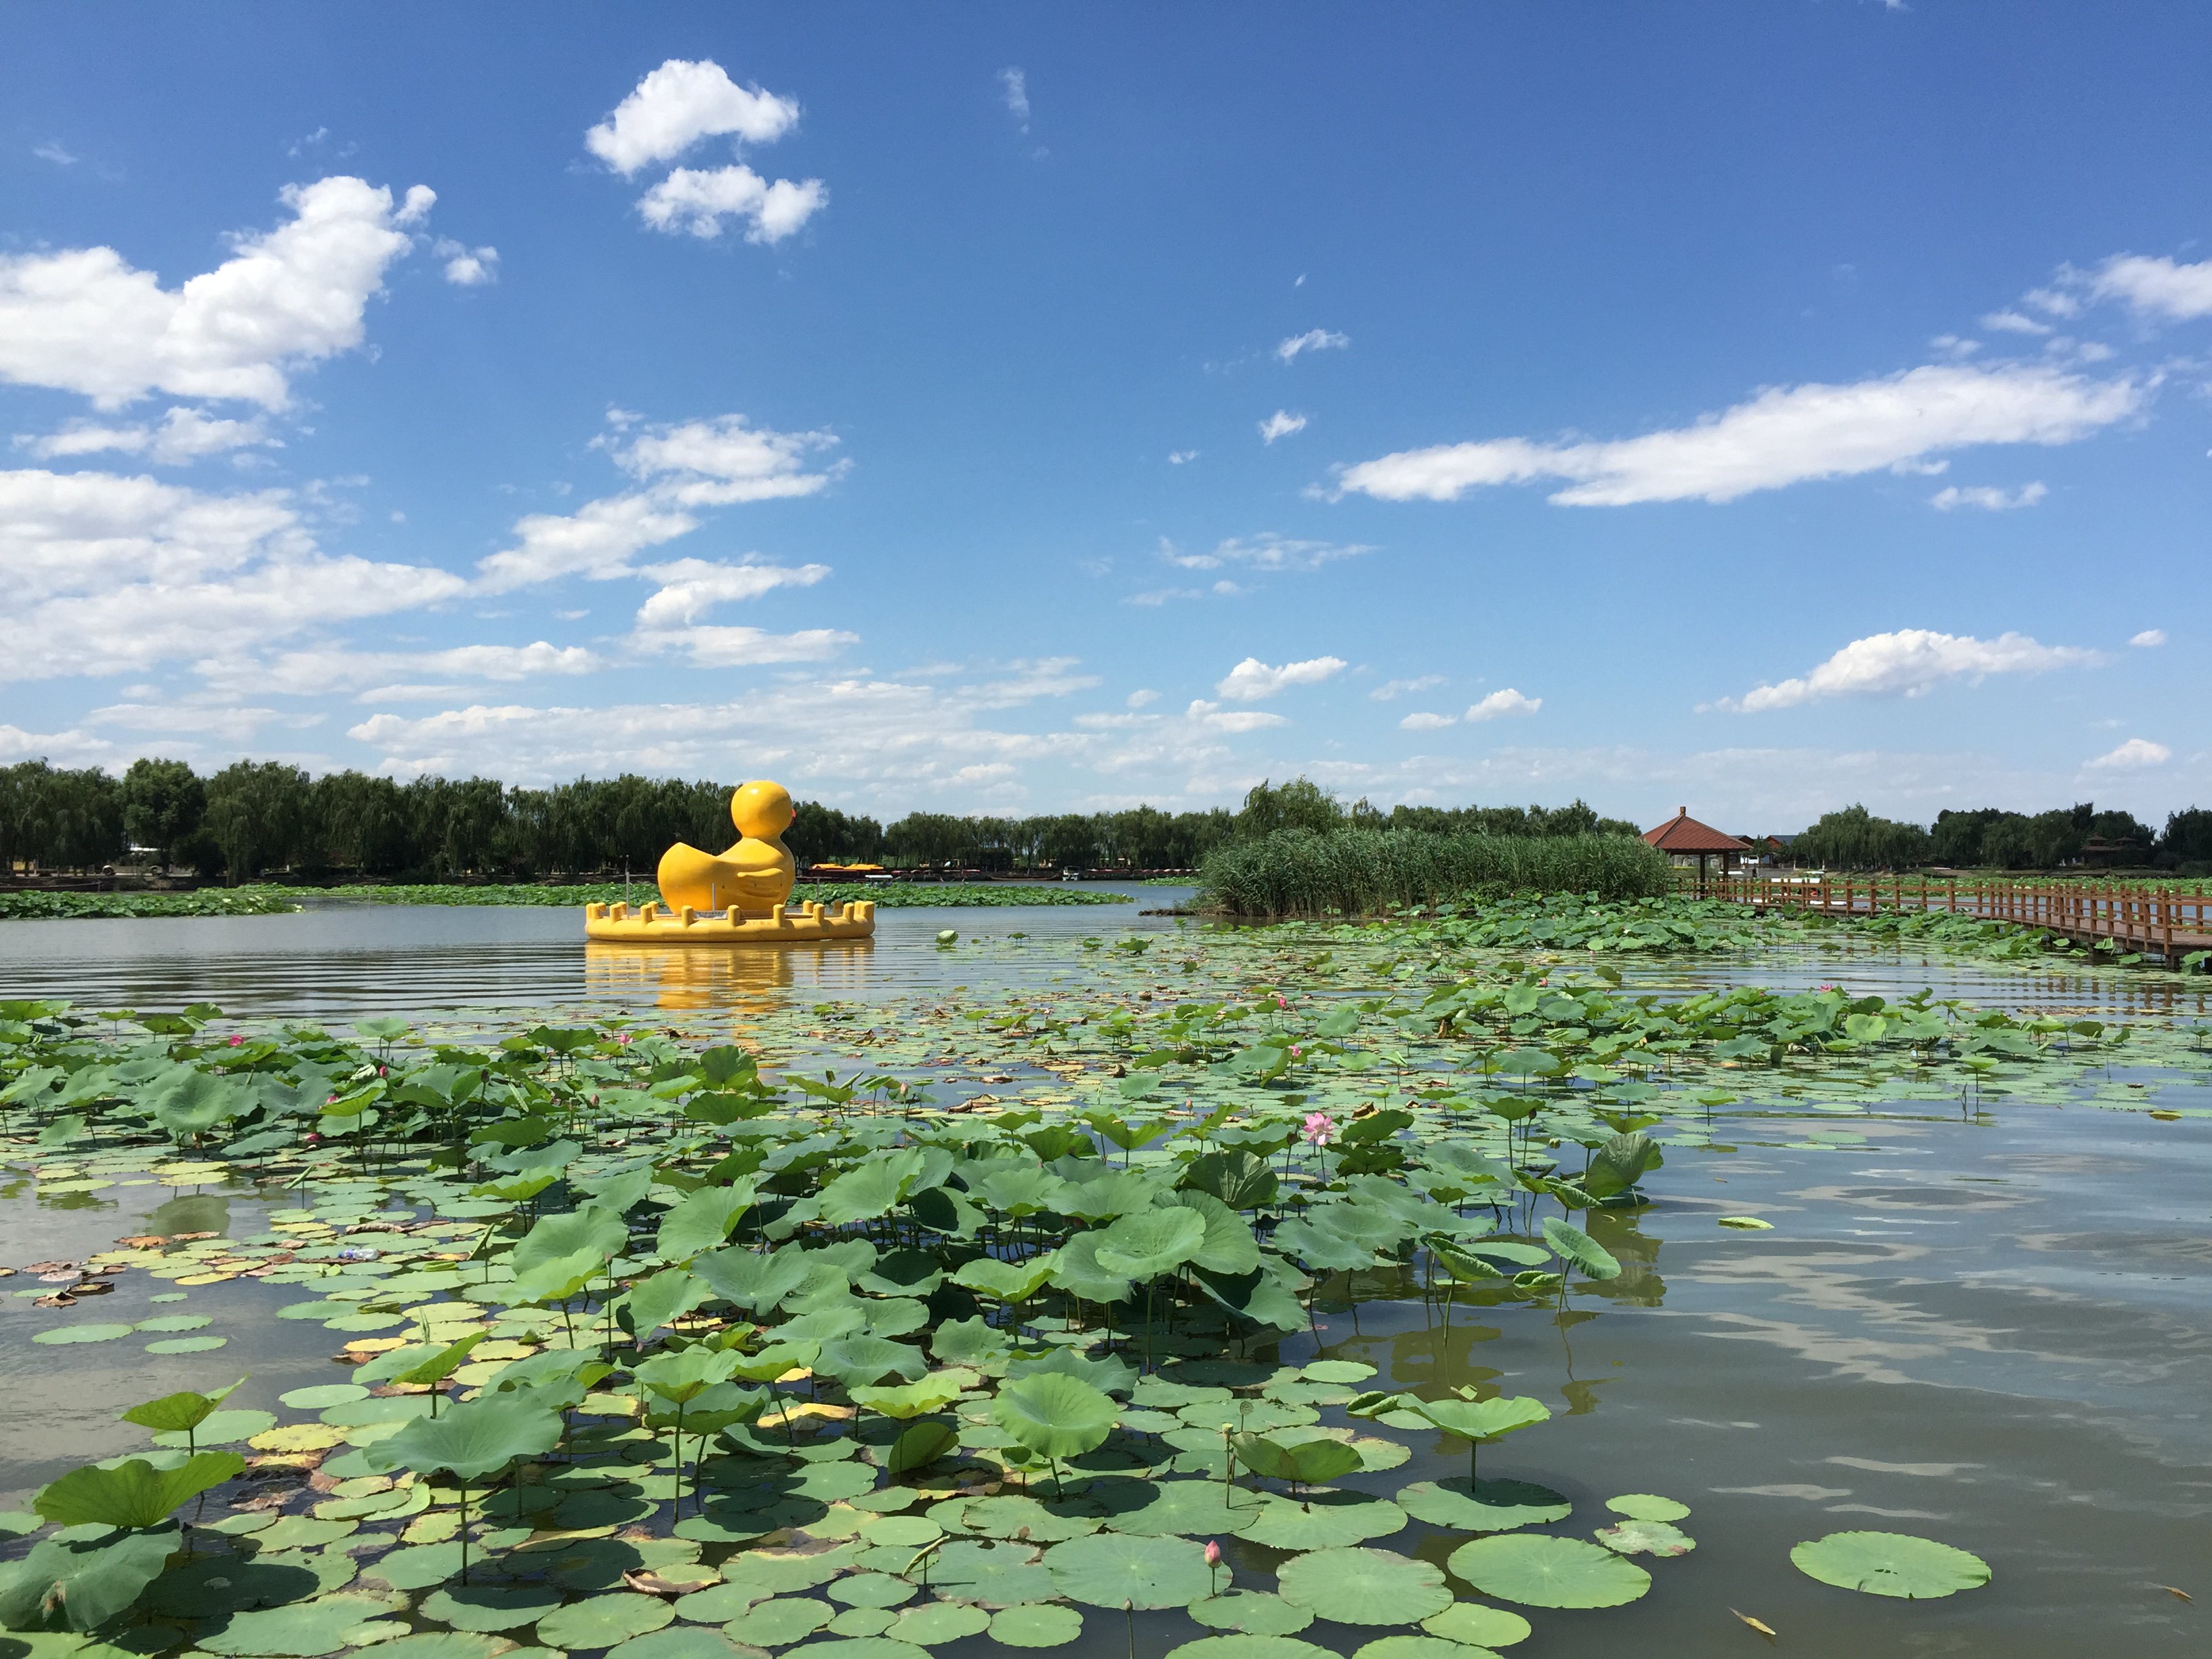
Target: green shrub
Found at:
1298, 872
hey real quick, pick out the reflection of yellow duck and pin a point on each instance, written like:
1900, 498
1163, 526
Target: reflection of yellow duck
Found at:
755, 876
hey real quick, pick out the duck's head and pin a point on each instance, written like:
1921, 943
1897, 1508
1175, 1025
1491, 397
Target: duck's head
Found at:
761, 810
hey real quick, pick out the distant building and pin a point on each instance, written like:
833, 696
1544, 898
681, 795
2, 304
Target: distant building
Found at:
1692, 845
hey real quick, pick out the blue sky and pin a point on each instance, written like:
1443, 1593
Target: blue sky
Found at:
1758, 408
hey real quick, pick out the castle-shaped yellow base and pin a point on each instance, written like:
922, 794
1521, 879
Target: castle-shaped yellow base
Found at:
739, 896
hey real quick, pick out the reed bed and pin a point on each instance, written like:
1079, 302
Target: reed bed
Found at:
1302, 872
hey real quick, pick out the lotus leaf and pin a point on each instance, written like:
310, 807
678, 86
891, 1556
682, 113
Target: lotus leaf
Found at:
489, 1607
775, 1623
1042, 1625
1253, 1612
751, 1280
938, 1622
218, 1428
677, 1642
866, 1359
1252, 1646
1307, 1464
601, 1621
62, 1334
1146, 1244
1890, 1564
1748, 1223
1541, 1571
1647, 1506
1484, 1506
1478, 1626
178, 1413
1115, 1570
1179, 1509
932, 1393
1008, 1281
870, 1589
1645, 1538
1316, 1520
701, 1221
473, 1440
304, 1630
1415, 1647
1359, 1586
592, 1232
77, 1585
135, 1494
668, 1295
438, 1645
1578, 1247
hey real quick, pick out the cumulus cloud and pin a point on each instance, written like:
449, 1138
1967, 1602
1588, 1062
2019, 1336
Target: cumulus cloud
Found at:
2134, 755
1390, 688
1235, 721
383, 676
2149, 639
1499, 704
683, 467
1281, 424
691, 587
730, 645
1782, 436
1313, 339
467, 267
1253, 680
1014, 87
2155, 287
182, 436
87, 321
1988, 499
2014, 322
1424, 721
678, 105
1265, 551
1910, 662
699, 201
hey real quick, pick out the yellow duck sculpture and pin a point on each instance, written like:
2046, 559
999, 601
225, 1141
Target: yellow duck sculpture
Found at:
739, 896
755, 876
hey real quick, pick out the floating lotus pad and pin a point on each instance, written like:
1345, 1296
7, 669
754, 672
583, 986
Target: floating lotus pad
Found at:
1251, 1613
305, 1630
1315, 1521
1478, 1626
1364, 1586
1045, 1625
779, 1623
939, 1622
1115, 1570
601, 1621
489, 1607
1645, 1538
1484, 1506
1541, 1571
1417, 1647
1248, 1647
1647, 1506
1891, 1564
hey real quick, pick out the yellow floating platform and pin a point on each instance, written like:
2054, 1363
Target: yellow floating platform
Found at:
649, 924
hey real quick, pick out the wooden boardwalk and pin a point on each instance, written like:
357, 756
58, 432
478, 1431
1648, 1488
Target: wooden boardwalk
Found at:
2169, 926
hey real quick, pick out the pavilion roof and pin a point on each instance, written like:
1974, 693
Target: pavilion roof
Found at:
1684, 834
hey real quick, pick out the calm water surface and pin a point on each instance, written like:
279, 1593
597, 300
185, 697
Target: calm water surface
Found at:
1993, 1330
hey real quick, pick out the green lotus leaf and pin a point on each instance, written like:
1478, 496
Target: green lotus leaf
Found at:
1252, 1612
80, 1586
938, 1622
1890, 1564
473, 1440
1480, 1420
134, 1493
1647, 1506
1229, 1247
678, 1642
1008, 1281
1414, 1647
866, 1359
1359, 1586
173, 1322
1055, 1416
63, 1334
1579, 1248
1180, 1509
305, 1630
1144, 1245
187, 1344
681, 1374
491, 1608
1115, 1570
1484, 1506
1478, 1626
1014, 1515
701, 1221
867, 1647
1308, 1463
1251, 1646
439, 1644
932, 1393
601, 1621
777, 1359
1316, 1520
749, 1279
774, 1624
1239, 1179
219, 1428
1747, 1224
870, 1589
875, 1188
179, 1411
420, 1365
1078, 1271
1040, 1625
592, 1231
1541, 1571
668, 1295
556, 1279
1645, 1538
919, 1445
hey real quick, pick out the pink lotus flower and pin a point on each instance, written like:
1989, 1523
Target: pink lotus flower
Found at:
236, 1042
625, 1039
1213, 1553
1320, 1128
380, 1071
1296, 1051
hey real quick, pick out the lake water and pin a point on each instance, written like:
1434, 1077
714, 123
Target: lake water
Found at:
1992, 1328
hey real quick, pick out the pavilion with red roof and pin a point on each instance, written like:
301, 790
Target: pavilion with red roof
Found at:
1687, 841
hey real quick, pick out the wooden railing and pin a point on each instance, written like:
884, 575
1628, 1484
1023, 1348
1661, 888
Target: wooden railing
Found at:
2168, 925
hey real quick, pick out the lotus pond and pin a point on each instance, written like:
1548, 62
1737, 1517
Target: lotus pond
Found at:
1539, 1280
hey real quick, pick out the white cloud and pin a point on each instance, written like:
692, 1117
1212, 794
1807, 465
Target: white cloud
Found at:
1426, 722
1265, 551
2013, 322
2135, 755
1499, 704
1989, 500
697, 463
1252, 680
1782, 436
467, 267
1281, 424
1910, 662
678, 104
699, 201
1154, 598
327, 669
183, 435
1390, 688
1140, 699
691, 587
50, 150
732, 646
2156, 287
1014, 87
1182, 457
85, 320
1313, 339
2149, 638
723, 461
1235, 721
